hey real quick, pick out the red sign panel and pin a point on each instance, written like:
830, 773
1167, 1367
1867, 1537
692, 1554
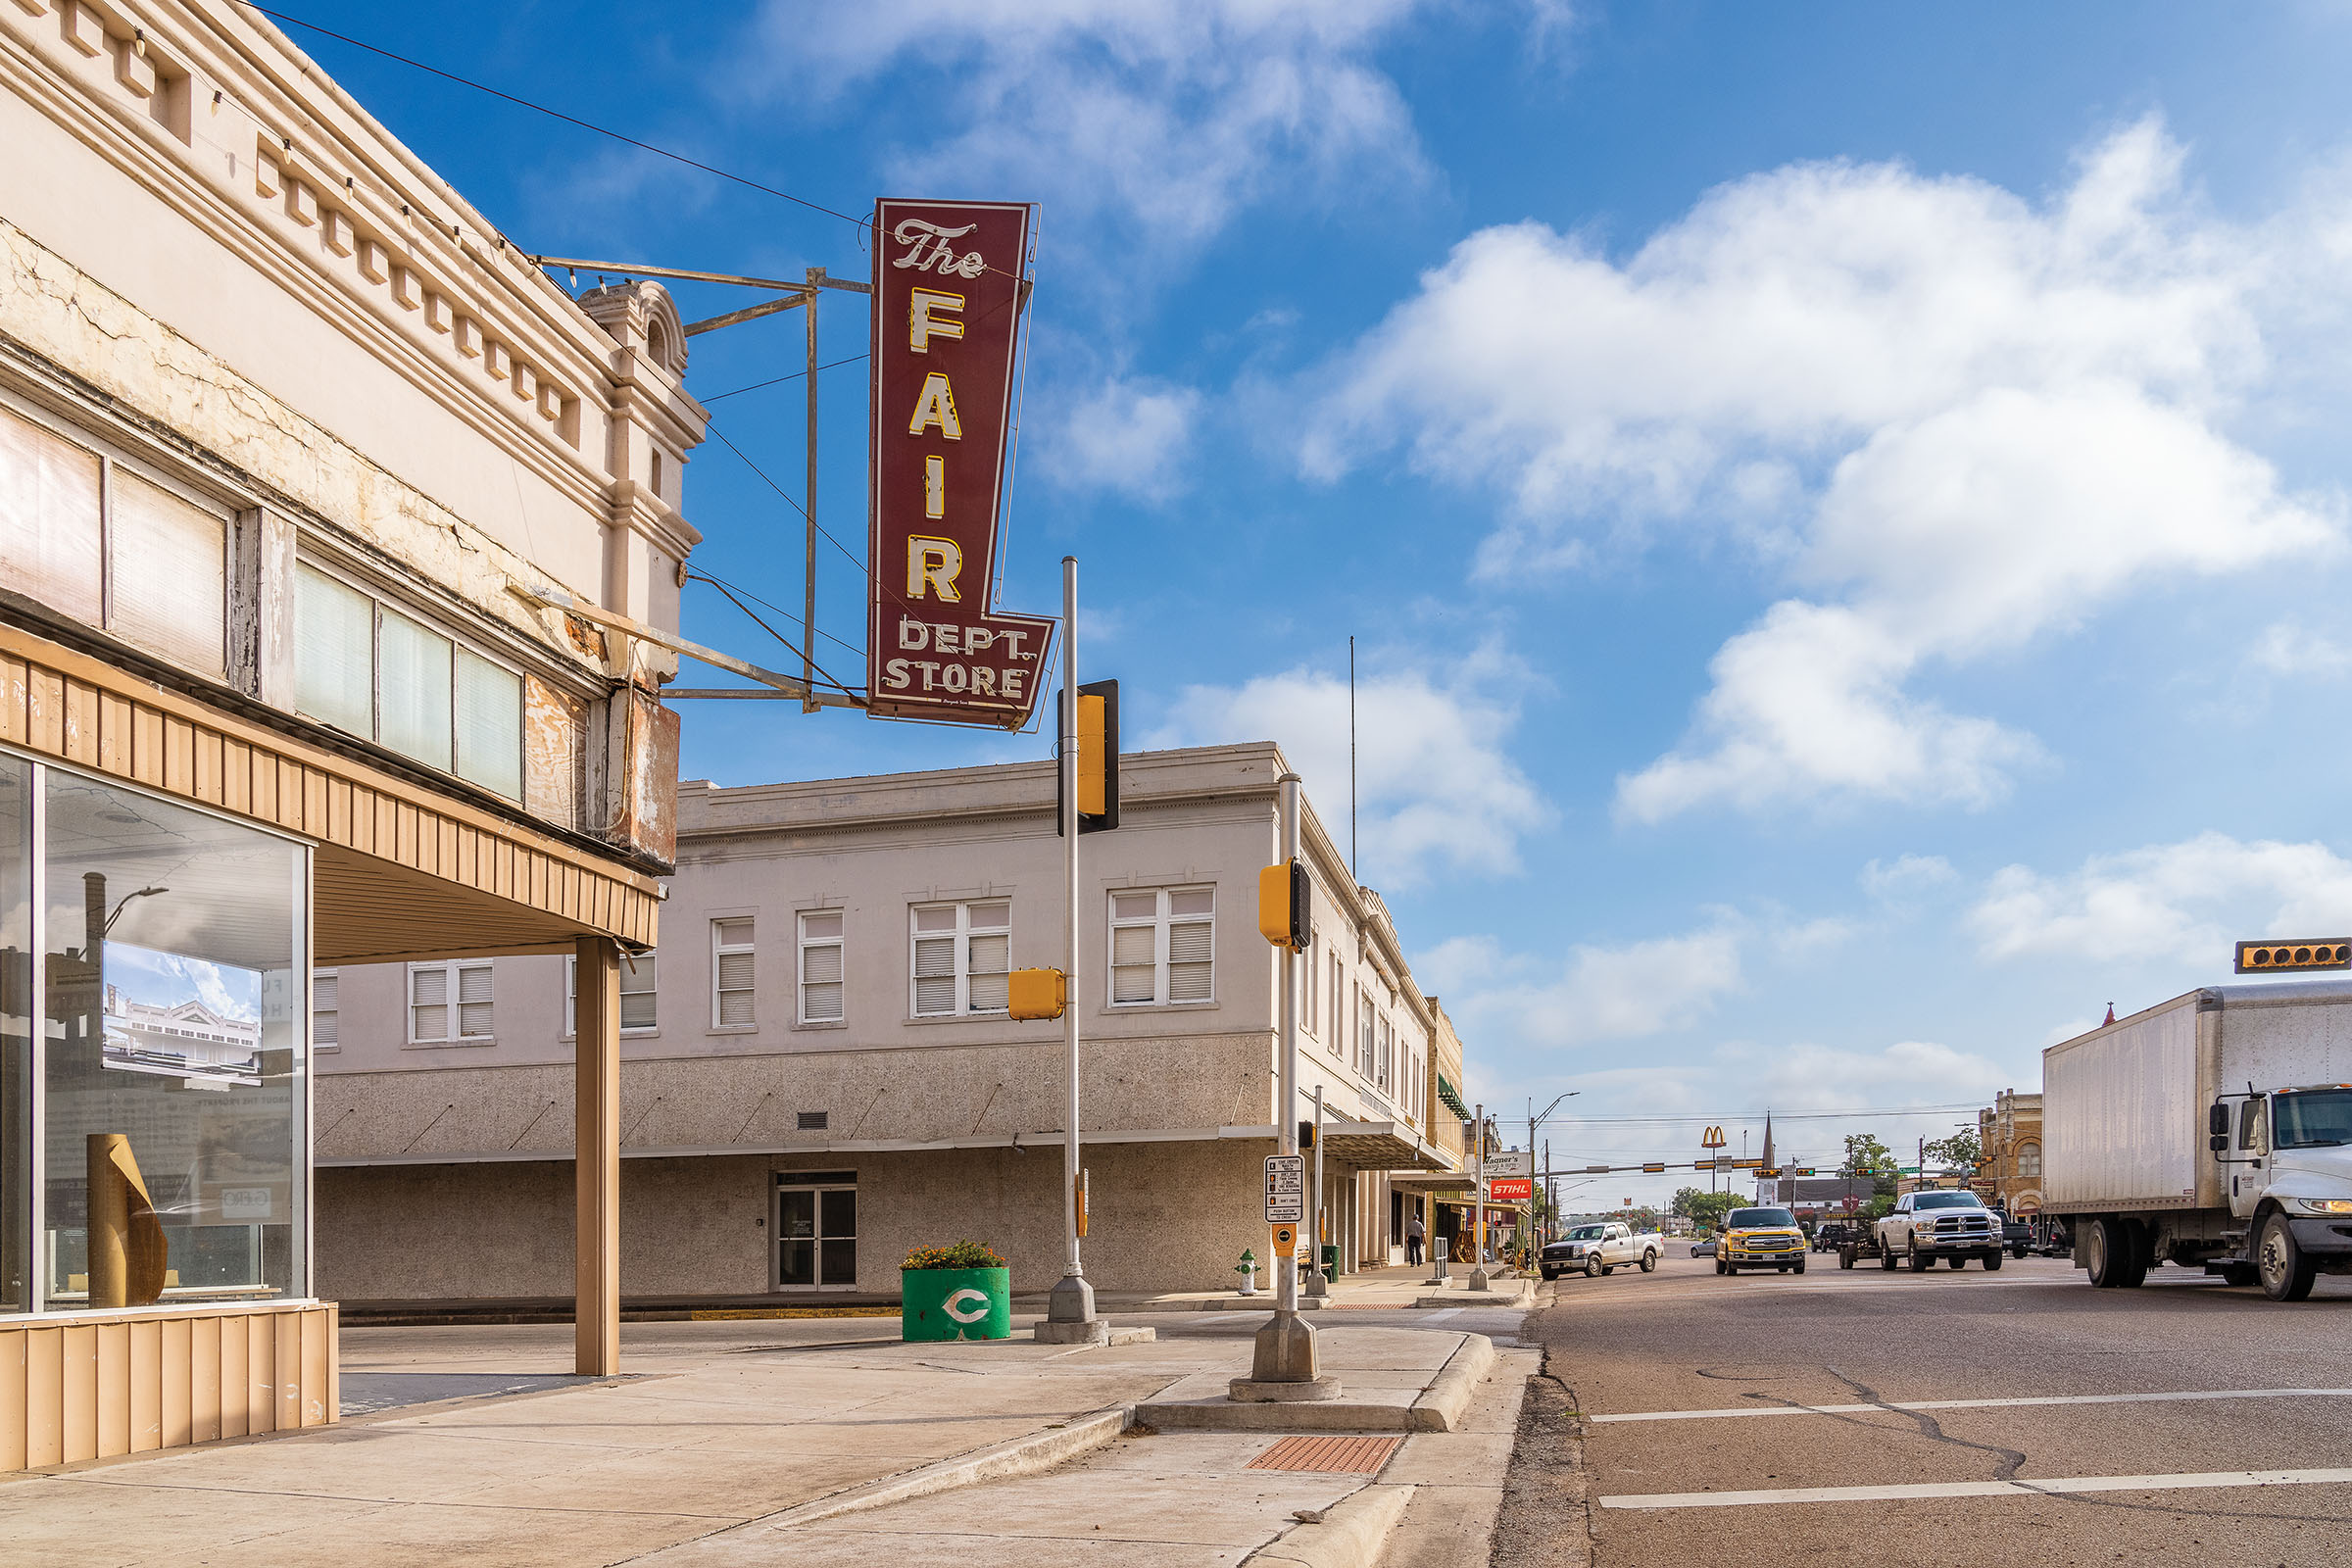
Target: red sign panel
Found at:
1511, 1189
947, 295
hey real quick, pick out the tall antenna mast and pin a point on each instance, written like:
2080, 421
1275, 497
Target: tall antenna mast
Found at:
1353, 872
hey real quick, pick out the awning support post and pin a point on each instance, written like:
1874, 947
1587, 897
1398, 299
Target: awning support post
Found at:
596, 1234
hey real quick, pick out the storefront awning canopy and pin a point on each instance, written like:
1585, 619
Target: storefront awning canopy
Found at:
1379, 1146
1451, 1097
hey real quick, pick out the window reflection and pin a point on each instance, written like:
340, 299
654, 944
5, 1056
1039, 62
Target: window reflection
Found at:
173, 1055
15, 1034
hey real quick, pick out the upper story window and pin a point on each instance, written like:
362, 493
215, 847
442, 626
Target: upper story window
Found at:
638, 999
1384, 1061
89, 538
1335, 1041
374, 670
1163, 946
450, 1003
960, 955
326, 1021
733, 974
821, 981
1367, 1031
2028, 1160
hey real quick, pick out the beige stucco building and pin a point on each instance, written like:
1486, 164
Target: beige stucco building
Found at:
818, 1072
288, 432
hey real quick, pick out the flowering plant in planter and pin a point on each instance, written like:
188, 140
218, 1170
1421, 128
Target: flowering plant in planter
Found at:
957, 1254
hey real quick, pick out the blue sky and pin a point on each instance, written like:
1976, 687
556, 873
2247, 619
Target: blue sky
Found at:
1841, 507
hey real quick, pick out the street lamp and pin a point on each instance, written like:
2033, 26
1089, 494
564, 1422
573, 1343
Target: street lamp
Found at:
1534, 1120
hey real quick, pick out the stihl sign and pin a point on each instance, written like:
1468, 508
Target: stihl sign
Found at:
946, 304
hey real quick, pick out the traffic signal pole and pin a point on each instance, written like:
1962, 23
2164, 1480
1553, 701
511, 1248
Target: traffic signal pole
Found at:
1070, 1310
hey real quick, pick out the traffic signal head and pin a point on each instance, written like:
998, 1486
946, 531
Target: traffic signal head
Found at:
1036, 992
1097, 746
2267, 958
1285, 900
1306, 1137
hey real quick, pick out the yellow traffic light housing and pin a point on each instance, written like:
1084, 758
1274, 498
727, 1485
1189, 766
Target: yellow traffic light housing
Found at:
1096, 745
1284, 901
2271, 958
1036, 992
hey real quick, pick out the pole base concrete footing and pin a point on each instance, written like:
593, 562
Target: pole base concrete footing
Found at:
1250, 1391
1093, 1331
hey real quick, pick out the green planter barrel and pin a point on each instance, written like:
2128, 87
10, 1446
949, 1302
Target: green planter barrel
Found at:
956, 1303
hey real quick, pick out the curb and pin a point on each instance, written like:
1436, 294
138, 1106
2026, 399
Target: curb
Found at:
1353, 1533
1022, 1456
1449, 1393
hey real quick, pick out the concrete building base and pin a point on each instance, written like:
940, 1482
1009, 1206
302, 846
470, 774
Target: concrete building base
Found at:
1250, 1391
1087, 1331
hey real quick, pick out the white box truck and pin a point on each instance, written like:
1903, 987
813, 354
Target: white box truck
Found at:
2212, 1131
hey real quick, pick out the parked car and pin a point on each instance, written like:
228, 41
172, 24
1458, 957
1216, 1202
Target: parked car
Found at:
1831, 1234
1761, 1238
1952, 1225
2016, 1234
1599, 1248
1705, 1247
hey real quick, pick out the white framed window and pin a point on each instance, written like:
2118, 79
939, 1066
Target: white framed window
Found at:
821, 973
1385, 1060
450, 1003
640, 1011
378, 672
1337, 1042
959, 956
325, 1009
734, 974
1314, 970
1367, 1031
2029, 1161
1163, 943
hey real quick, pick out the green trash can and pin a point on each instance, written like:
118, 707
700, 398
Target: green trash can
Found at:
956, 1303
1331, 1261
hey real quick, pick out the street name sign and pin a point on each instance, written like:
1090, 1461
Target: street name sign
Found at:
950, 280
1286, 1189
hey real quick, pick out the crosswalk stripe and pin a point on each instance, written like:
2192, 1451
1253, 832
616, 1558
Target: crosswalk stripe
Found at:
2041, 1487
1974, 1405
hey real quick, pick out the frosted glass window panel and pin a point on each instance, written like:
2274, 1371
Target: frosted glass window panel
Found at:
1134, 906
1194, 901
637, 993
489, 724
325, 1009
935, 920
51, 548
428, 1004
413, 686
334, 653
814, 927
170, 561
474, 1002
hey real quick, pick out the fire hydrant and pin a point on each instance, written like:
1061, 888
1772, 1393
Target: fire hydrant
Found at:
1246, 1268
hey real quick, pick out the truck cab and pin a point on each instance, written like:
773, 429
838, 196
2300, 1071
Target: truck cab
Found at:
2288, 1152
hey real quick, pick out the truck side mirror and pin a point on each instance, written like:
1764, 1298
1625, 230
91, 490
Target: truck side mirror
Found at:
2217, 1121
2219, 1142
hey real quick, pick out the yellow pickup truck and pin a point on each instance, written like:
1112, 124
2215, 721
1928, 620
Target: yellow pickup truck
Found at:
1760, 1237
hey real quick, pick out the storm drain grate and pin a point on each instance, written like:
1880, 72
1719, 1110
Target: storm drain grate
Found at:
1353, 1455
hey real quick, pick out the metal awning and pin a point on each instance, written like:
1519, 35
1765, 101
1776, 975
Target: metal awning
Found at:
1379, 1146
1459, 1182
1452, 1097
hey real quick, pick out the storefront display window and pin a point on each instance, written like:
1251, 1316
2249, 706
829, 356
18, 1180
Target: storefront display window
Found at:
15, 1034
175, 964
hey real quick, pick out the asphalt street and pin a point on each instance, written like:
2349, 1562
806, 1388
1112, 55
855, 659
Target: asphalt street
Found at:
1852, 1417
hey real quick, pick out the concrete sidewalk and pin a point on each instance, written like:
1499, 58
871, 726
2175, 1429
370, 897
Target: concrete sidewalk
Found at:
718, 1428
1401, 1285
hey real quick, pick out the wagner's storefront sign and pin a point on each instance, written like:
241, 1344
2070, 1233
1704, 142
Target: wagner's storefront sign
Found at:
947, 306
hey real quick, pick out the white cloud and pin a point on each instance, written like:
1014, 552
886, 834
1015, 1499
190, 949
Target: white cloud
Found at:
1956, 420
1434, 781
1595, 993
1162, 119
2182, 903
2286, 649
1909, 1072
1908, 876
1131, 436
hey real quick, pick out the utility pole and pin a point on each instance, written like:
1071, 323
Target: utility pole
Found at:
1478, 1261
1070, 1310
1316, 1285
1551, 1202
1285, 1365
808, 702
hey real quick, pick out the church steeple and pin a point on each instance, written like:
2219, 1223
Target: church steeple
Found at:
1770, 1163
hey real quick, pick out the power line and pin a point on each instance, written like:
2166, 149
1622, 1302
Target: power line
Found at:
779, 381
1720, 1118
557, 114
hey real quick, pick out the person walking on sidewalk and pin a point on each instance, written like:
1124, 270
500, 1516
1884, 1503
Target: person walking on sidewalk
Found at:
1414, 1232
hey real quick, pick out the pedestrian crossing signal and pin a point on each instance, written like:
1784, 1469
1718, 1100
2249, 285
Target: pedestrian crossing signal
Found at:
1036, 992
1283, 899
2267, 958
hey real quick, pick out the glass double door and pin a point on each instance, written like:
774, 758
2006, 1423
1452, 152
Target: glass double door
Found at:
817, 1234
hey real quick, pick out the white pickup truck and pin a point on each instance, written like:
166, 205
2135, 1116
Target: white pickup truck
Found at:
1928, 1225
1599, 1248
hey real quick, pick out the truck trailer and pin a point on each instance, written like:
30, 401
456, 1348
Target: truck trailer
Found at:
2212, 1131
